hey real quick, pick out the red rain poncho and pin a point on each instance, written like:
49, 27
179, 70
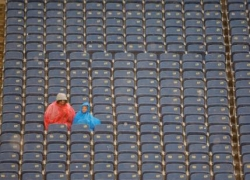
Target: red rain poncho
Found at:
59, 114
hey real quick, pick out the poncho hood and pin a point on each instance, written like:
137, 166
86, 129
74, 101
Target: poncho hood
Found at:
85, 104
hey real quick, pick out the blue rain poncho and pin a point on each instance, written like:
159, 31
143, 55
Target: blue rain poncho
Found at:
86, 117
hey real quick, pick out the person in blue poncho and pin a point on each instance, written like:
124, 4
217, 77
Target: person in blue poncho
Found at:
83, 116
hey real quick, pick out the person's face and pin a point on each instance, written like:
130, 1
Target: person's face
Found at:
61, 102
84, 109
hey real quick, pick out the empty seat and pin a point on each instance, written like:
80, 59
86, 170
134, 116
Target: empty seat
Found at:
127, 167
204, 176
173, 138
152, 175
199, 158
56, 175
9, 157
31, 168
104, 175
223, 158
128, 175
79, 167
77, 175
34, 128
9, 176
9, 167
10, 147
103, 167
79, 157
226, 176
124, 157
33, 175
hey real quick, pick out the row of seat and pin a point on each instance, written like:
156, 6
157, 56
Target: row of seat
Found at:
237, 16
146, 92
134, 32
56, 153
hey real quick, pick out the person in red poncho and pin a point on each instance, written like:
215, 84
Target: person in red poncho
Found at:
59, 112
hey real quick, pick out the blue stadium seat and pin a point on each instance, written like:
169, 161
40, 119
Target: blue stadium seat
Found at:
56, 175
16, 73
34, 128
11, 38
196, 138
79, 167
220, 129
124, 100
127, 157
34, 139
104, 175
32, 157
225, 176
201, 176
223, 168
223, 158
103, 167
56, 157
79, 147
10, 147
221, 148
199, 168
31, 175
10, 157
194, 119
197, 23
11, 117
9, 167
155, 6
170, 91
124, 138
194, 31
79, 157
12, 108
191, 101
198, 148
219, 120
77, 175
195, 39
104, 158
127, 167
126, 128
175, 168
151, 168
177, 158
12, 91
125, 118
224, 139
172, 119
199, 158
172, 129
152, 175
147, 109
15, 81
114, 6
173, 138
129, 175
57, 148
150, 139
31, 168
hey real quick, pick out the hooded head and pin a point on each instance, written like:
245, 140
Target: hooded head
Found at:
85, 104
